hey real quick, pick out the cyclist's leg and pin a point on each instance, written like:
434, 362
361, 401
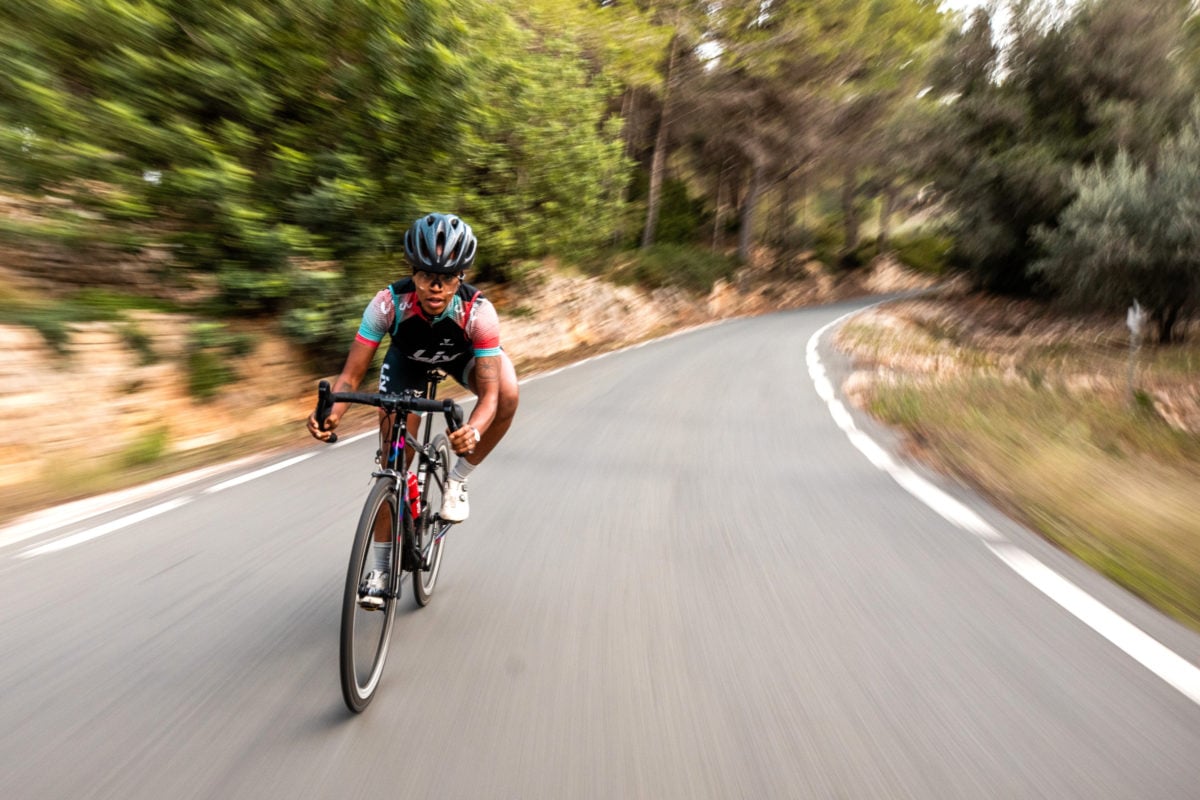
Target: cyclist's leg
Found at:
396, 375
506, 407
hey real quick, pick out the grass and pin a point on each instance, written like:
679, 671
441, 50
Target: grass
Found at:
1095, 471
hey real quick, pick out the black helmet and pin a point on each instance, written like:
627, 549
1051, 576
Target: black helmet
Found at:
440, 243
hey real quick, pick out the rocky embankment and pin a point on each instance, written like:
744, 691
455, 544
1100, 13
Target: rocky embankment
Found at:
99, 409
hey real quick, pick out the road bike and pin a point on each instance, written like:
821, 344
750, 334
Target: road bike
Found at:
402, 507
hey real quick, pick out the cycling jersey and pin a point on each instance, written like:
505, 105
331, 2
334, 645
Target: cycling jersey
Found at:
467, 329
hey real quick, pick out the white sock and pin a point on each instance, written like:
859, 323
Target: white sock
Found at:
462, 469
383, 556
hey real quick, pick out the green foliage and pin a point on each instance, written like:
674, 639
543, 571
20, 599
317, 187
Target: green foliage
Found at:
210, 350
1132, 233
146, 449
668, 265
1011, 125
53, 319
137, 341
923, 251
50, 321
254, 141
541, 171
681, 217
326, 325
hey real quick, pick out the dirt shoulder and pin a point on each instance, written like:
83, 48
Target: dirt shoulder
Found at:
1057, 420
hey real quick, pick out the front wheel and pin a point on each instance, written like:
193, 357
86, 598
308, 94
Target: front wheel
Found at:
430, 536
366, 632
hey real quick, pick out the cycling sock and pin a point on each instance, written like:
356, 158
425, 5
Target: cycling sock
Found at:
462, 469
383, 556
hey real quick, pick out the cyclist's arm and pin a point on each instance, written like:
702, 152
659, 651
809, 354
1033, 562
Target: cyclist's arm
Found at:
485, 381
353, 372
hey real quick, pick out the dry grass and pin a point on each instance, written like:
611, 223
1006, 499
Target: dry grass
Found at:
1036, 411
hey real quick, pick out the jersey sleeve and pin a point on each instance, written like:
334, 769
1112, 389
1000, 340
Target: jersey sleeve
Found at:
377, 319
483, 329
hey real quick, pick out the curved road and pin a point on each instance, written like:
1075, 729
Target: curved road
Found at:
680, 580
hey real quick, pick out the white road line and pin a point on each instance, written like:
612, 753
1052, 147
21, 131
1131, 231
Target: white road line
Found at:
941, 502
105, 529
258, 473
1130, 639
68, 514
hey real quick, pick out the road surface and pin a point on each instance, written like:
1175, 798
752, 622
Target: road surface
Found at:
681, 579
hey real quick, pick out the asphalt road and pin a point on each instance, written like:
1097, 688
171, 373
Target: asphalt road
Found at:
679, 580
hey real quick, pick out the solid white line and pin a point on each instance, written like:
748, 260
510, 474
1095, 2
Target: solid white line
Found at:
51, 519
105, 529
941, 502
258, 473
1132, 640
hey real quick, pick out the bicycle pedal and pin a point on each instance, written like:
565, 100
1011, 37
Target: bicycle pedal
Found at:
369, 603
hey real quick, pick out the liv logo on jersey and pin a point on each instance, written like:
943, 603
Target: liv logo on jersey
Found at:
439, 357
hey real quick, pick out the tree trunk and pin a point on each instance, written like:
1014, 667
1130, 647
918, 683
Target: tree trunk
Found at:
885, 217
1166, 319
803, 181
627, 121
746, 237
658, 163
849, 212
719, 216
785, 215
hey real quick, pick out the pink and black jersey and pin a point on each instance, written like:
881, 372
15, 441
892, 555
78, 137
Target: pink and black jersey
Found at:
467, 329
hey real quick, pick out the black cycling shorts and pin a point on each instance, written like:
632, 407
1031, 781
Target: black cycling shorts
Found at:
400, 372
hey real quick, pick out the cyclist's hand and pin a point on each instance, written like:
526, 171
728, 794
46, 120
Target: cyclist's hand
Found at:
463, 440
331, 423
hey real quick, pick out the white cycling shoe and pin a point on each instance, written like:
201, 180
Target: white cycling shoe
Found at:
372, 590
455, 507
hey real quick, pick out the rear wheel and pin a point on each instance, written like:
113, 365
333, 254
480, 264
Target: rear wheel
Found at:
430, 537
366, 633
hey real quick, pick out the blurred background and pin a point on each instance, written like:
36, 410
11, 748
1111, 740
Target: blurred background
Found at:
197, 199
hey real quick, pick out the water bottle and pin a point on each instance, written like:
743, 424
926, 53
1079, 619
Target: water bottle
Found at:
414, 495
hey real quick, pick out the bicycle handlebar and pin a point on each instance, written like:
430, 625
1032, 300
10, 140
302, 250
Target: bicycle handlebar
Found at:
326, 397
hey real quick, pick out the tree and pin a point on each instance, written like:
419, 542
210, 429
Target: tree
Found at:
1066, 91
1132, 233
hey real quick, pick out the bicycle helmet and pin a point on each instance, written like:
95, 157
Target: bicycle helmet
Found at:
440, 243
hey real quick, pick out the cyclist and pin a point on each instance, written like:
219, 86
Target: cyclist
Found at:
435, 319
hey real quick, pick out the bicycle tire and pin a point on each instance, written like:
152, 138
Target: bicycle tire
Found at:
426, 575
364, 652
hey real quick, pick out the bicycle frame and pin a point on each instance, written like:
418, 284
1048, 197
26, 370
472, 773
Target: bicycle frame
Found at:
398, 406
405, 524
408, 530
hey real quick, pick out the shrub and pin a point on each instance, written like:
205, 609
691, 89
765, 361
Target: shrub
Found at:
146, 449
691, 268
211, 348
923, 251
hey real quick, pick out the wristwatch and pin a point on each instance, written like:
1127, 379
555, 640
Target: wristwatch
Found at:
475, 431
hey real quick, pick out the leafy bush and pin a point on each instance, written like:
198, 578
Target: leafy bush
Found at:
50, 321
692, 268
924, 252
209, 352
1132, 234
146, 449
137, 341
